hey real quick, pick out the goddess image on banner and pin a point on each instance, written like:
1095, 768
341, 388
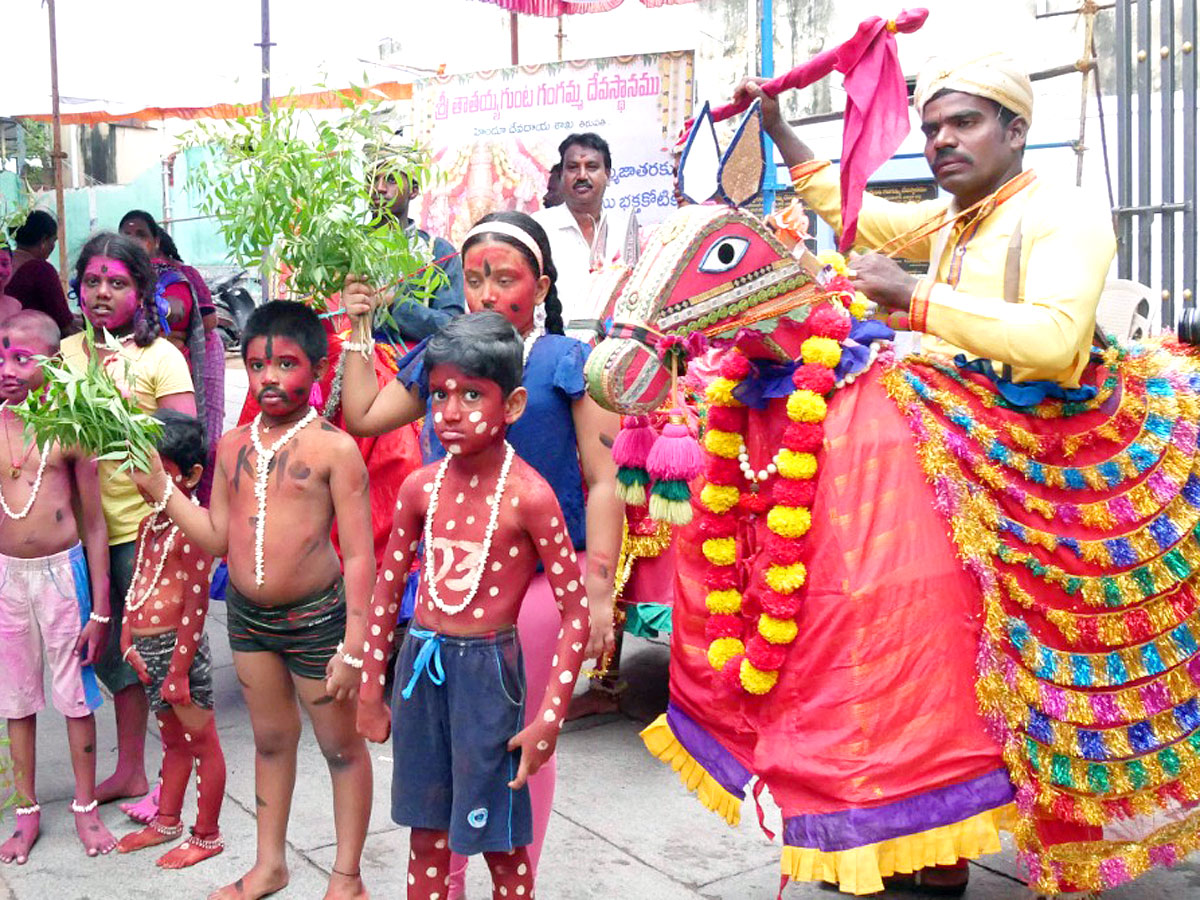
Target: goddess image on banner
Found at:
493, 136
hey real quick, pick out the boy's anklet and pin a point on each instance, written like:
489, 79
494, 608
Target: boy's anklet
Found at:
336, 871
29, 810
353, 662
204, 843
171, 831
76, 807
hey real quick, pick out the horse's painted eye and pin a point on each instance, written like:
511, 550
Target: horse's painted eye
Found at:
724, 255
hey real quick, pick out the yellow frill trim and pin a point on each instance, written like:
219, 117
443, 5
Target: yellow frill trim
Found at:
660, 741
861, 870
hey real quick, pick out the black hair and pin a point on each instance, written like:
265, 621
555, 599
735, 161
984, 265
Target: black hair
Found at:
588, 139
126, 250
166, 244
289, 319
555, 171
38, 226
482, 344
531, 226
182, 440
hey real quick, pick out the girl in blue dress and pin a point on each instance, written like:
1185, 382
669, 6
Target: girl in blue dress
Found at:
563, 434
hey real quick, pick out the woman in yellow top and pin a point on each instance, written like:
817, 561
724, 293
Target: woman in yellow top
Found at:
116, 289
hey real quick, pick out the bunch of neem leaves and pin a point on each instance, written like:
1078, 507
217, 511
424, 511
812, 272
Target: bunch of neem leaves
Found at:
88, 410
297, 191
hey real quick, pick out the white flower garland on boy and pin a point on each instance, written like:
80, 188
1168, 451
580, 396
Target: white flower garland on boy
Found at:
261, 470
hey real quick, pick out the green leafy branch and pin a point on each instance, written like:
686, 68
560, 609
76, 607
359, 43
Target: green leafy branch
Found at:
89, 411
297, 190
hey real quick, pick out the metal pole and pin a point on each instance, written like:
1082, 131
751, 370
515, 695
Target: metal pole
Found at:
1166, 18
560, 37
767, 70
1188, 46
264, 272
513, 35
1144, 120
57, 153
1124, 50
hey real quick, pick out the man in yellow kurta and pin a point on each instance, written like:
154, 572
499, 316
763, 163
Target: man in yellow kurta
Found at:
1016, 267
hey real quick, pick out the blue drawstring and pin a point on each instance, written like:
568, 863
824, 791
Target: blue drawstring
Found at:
429, 659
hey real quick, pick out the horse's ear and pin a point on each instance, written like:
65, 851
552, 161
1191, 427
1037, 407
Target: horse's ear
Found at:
740, 178
700, 162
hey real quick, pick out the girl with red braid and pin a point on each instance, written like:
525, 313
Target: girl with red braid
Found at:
462, 749
163, 639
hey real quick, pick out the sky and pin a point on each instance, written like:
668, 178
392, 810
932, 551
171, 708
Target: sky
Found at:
135, 53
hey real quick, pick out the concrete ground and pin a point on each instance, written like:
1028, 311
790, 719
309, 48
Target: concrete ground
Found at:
623, 826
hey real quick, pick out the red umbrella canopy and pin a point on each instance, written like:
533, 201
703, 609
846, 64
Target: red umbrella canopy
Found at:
572, 7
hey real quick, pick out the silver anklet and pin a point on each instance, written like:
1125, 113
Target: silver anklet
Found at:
29, 810
171, 831
204, 843
76, 808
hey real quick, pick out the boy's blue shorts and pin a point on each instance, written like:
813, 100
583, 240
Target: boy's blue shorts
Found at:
456, 704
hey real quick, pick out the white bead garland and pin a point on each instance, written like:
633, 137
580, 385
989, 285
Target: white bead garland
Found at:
761, 475
493, 518
81, 808
262, 468
37, 484
132, 602
874, 354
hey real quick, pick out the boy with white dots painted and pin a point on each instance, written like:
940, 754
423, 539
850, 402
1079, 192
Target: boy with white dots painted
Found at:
461, 756
163, 639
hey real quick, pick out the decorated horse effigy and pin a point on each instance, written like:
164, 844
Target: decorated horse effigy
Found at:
915, 604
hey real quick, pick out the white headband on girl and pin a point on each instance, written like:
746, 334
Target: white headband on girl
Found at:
512, 231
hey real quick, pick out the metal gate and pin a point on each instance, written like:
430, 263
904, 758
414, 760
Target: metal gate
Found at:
1156, 141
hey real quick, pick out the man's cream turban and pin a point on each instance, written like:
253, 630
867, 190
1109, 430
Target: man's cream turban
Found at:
996, 76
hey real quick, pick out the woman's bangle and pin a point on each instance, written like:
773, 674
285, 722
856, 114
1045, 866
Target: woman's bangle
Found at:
352, 661
125, 655
103, 620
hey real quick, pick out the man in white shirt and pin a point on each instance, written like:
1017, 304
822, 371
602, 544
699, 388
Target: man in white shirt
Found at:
583, 235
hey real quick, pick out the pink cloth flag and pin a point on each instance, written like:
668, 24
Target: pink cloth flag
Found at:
876, 118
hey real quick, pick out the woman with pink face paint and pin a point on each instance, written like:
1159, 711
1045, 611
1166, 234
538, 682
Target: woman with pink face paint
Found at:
564, 435
8, 305
116, 291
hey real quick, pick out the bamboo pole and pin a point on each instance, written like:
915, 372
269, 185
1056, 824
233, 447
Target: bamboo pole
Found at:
57, 151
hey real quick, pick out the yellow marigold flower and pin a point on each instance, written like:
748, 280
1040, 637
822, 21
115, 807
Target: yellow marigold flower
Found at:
756, 681
719, 498
806, 406
723, 443
786, 579
720, 551
789, 521
777, 631
794, 464
723, 603
722, 650
835, 260
821, 351
720, 392
858, 306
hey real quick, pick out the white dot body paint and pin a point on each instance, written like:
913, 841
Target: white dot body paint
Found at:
455, 449
481, 428
437, 417
460, 498
474, 482
477, 613
475, 416
452, 384
513, 551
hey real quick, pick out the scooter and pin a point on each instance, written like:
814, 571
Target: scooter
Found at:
234, 303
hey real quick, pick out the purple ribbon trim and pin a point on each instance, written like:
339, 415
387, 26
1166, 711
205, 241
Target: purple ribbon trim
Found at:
704, 749
933, 809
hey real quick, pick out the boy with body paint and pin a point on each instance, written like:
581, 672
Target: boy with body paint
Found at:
280, 482
461, 755
163, 639
45, 603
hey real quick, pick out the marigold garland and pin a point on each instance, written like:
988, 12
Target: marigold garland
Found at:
752, 658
